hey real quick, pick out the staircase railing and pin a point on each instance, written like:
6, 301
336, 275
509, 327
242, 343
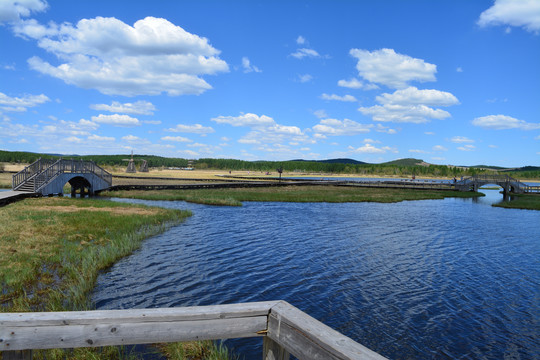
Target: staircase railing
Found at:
30, 171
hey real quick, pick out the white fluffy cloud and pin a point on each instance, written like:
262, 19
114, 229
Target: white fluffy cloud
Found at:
354, 83
305, 52
140, 107
149, 58
8, 103
370, 149
461, 140
305, 78
344, 98
192, 129
334, 127
248, 119
503, 122
175, 139
413, 96
389, 68
468, 147
116, 120
520, 13
131, 138
264, 130
416, 114
411, 105
100, 138
439, 148
246, 65
14, 10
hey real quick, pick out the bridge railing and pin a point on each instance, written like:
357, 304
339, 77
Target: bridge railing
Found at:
30, 171
285, 330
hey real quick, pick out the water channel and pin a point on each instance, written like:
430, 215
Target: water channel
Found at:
452, 278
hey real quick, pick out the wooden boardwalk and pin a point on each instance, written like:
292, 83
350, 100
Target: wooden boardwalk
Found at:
7, 197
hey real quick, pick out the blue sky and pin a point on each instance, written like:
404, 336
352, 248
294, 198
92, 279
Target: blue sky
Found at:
451, 82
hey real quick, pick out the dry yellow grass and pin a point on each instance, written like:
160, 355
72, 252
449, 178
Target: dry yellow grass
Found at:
6, 180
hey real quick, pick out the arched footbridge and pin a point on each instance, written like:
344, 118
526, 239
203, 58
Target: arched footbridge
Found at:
48, 177
509, 184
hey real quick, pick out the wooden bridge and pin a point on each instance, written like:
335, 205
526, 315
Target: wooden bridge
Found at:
48, 177
509, 184
284, 329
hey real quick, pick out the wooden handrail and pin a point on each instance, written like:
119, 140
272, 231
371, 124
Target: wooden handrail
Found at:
286, 329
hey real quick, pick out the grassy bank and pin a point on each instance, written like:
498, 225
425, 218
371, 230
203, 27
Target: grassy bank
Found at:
528, 202
53, 249
333, 194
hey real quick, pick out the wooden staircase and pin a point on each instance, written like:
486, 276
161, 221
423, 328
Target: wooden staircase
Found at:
28, 185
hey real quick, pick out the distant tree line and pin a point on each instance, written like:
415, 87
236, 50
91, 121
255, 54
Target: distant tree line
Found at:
386, 169
338, 168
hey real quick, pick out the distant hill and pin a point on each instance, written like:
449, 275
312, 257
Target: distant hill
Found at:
405, 162
487, 167
335, 161
524, 168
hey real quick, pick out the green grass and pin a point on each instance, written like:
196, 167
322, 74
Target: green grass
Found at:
53, 249
528, 202
332, 194
196, 350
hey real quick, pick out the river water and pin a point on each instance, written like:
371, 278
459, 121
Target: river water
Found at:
432, 279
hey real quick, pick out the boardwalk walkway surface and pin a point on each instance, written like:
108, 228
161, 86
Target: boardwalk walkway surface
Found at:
10, 196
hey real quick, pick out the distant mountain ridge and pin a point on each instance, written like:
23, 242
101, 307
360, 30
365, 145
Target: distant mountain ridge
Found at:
335, 161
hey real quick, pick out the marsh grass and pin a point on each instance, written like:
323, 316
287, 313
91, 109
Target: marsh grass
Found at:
196, 350
331, 194
207, 197
53, 249
521, 201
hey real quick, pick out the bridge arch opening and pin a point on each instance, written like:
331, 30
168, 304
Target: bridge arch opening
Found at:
81, 186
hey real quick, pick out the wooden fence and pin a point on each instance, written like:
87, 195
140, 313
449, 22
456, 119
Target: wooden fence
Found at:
285, 330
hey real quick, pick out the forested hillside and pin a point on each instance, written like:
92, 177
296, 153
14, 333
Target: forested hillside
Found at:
402, 167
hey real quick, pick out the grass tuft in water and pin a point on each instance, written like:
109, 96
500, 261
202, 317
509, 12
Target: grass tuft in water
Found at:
332, 194
521, 201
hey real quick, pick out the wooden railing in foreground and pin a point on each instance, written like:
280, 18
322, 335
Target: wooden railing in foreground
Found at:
285, 330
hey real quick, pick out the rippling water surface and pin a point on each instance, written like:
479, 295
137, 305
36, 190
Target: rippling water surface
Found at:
453, 278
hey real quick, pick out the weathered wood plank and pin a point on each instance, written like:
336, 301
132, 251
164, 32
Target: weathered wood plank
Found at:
94, 335
273, 351
17, 355
136, 315
308, 338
